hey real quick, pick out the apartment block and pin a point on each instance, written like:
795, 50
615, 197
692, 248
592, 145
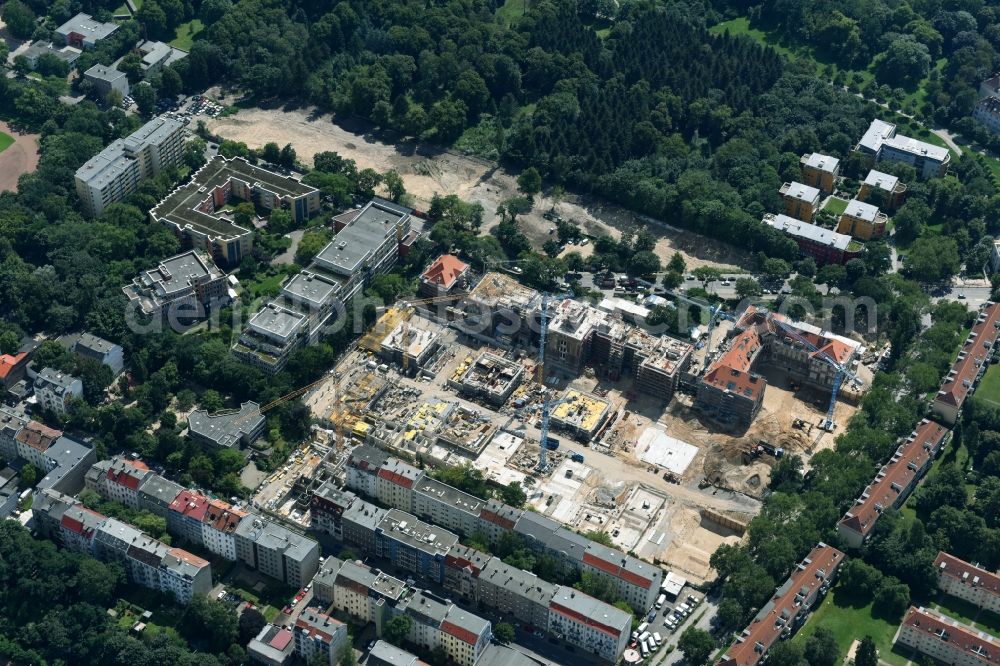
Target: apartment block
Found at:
801, 201
276, 551
396, 482
219, 527
589, 624
881, 142
497, 519
496, 311
447, 506
862, 221
730, 393
970, 582
197, 210
106, 80
634, 581
186, 516
462, 568
83, 32
366, 593
436, 622
820, 171
54, 390
894, 481
890, 191
490, 377
273, 646
316, 633
412, 545
234, 428
156, 494
119, 479
157, 55
945, 640
823, 245
326, 508
323, 581
360, 521
787, 609
63, 460
11, 423
184, 287
107, 353
115, 172
515, 592
972, 361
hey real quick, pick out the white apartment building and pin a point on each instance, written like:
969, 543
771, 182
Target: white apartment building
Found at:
219, 528
968, 581
396, 483
122, 478
316, 632
54, 390
115, 172
946, 640
589, 624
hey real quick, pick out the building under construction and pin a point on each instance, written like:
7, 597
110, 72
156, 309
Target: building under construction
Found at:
490, 378
411, 343
499, 310
580, 415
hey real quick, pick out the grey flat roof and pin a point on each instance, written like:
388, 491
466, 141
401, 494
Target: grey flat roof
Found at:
275, 537
415, 533
84, 24
367, 457
811, 232
94, 344
877, 132
861, 210
311, 288
67, 454
802, 192
552, 535
881, 180
104, 73
162, 490
56, 378
450, 495
226, 428
153, 132
387, 654
466, 620
365, 514
519, 581
423, 603
372, 579
181, 272
361, 237
917, 147
823, 162
592, 608
277, 321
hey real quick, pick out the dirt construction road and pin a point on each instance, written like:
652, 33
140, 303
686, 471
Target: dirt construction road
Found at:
19, 158
426, 171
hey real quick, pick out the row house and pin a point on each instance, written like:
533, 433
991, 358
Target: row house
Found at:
413, 545
186, 516
119, 479
516, 592
462, 568
447, 506
894, 481
326, 508
395, 484
787, 609
633, 580
972, 361
363, 465
219, 528
156, 494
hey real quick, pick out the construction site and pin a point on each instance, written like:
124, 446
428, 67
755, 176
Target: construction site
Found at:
613, 439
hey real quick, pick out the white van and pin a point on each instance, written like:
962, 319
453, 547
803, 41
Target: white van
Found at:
645, 649
642, 629
684, 610
659, 601
657, 638
644, 637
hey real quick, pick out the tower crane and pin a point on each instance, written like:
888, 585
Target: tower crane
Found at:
715, 313
543, 427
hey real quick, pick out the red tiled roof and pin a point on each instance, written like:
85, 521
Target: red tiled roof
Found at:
222, 517
123, 471
75, 525
959, 637
458, 632
313, 630
38, 436
496, 519
190, 558
896, 477
445, 271
615, 570
583, 619
190, 504
394, 477
9, 362
281, 639
781, 611
731, 371
978, 346
969, 574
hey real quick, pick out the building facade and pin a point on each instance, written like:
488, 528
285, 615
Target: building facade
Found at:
820, 171
801, 201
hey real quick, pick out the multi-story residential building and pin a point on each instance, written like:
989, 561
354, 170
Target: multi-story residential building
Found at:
820, 171
443, 276
589, 624
387, 654
462, 567
184, 575
635, 581
83, 32
228, 429
156, 494
54, 390
581, 415
119, 479
801, 201
970, 582
196, 211
890, 191
413, 545
363, 465
327, 506
366, 593
273, 646
183, 287
276, 551
972, 361
11, 423
787, 609
219, 528
894, 481
316, 633
78, 527
396, 483
497, 312
515, 592
544, 535
39, 48
730, 393
13, 368
115, 172
946, 640
105, 80
862, 221
883, 144
823, 245
271, 336
324, 580
987, 113
360, 521
186, 516
497, 519
447, 506
439, 623
33, 441
100, 350
157, 55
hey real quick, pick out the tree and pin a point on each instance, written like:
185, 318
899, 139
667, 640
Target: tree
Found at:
860, 579
271, 153
891, 599
707, 274
729, 615
250, 624
643, 263
677, 263
748, 288
393, 183
787, 653
504, 632
932, 259
821, 648
513, 494
244, 213
397, 629
310, 245
867, 653
906, 61
697, 646
786, 477
19, 18
145, 98
29, 476
529, 182
209, 622
672, 280
287, 156
347, 657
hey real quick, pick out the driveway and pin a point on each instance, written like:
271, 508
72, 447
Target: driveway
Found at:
288, 256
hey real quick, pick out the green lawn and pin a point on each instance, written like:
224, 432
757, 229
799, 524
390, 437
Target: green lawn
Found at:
186, 32
835, 205
511, 10
968, 613
848, 621
989, 387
